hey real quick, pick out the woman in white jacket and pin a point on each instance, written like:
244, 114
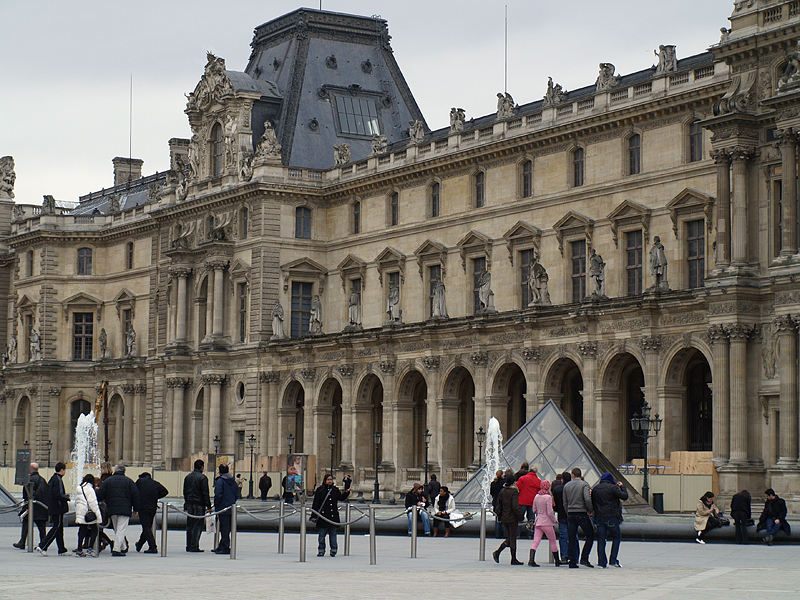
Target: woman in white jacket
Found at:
85, 502
445, 505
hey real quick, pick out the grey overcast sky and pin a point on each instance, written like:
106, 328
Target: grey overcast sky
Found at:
65, 96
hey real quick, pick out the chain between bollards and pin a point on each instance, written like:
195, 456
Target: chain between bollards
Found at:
302, 534
372, 557
281, 526
234, 528
482, 551
347, 529
164, 527
414, 517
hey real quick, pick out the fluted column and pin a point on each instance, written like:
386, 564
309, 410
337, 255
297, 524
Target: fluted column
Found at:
172, 294
739, 334
788, 146
722, 159
718, 335
651, 347
180, 318
785, 329
266, 379
179, 385
741, 155
209, 303
218, 267
215, 383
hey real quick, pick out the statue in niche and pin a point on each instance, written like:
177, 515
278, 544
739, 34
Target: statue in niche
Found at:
354, 308
10, 356
7, 177
246, 172
103, 339
315, 325
49, 205
658, 265
35, 345
607, 79
667, 59
769, 347
791, 74
341, 154
393, 304
416, 131
379, 144
485, 293
505, 105
277, 323
597, 272
555, 94
538, 278
130, 342
438, 303
231, 126
194, 157
457, 118
268, 145
182, 187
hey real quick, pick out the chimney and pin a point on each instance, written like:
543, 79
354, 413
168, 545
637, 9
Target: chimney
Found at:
127, 169
178, 147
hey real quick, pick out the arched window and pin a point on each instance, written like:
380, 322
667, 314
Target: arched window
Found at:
527, 179
356, 217
577, 167
129, 256
634, 154
216, 150
435, 199
480, 189
84, 261
302, 227
695, 142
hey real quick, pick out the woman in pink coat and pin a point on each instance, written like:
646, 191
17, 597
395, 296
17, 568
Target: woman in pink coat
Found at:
545, 523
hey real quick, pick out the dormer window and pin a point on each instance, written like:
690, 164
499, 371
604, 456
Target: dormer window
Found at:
357, 115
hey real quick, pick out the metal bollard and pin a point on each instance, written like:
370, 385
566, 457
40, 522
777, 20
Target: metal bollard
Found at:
234, 516
216, 532
414, 517
482, 550
281, 526
164, 527
303, 533
372, 558
347, 529
30, 520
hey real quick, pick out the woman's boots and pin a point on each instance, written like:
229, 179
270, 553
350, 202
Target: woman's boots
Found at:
557, 559
514, 560
435, 531
531, 561
496, 553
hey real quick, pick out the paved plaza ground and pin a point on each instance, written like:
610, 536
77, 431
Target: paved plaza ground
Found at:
444, 568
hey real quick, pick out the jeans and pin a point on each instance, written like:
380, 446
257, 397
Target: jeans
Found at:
120, 523
224, 521
563, 538
608, 526
56, 534
772, 527
527, 515
146, 519
575, 520
326, 529
422, 516
194, 527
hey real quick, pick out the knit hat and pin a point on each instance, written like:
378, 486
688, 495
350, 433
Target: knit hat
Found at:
544, 488
607, 477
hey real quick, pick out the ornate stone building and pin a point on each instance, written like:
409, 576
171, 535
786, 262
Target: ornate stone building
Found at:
317, 260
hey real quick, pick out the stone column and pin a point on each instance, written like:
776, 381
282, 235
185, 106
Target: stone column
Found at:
172, 294
178, 384
180, 325
127, 430
651, 346
588, 351
722, 158
788, 146
785, 329
266, 379
140, 391
739, 224
739, 334
209, 304
448, 433
718, 335
218, 267
215, 383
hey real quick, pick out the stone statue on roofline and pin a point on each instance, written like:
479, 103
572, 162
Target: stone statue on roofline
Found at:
667, 59
268, 145
416, 131
505, 105
555, 94
341, 154
607, 80
7, 177
379, 144
457, 118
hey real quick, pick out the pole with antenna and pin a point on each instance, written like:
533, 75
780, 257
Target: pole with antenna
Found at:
505, 61
130, 134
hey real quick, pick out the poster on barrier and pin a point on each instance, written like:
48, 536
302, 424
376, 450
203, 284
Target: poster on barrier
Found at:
295, 467
224, 459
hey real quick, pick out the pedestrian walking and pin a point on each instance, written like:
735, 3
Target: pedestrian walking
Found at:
226, 492
773, 517
494, 492
578, 501
150, 491
326, 503
510, 516
545, 523
706, 517
121, 496
528, 485
87, 516
557, 490
36, 488
607, 497
196, 501
741, 514
264, 485
57, 508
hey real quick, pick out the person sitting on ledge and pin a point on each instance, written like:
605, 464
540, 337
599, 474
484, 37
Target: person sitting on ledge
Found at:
416, 498
773, 518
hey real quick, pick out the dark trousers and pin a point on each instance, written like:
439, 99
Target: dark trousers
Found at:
326, 529
511, 535
574, 521
527, 515
146, 519
710, 524
40, 525
608, 526
741, 531
86, 536
194, 527
563, 539
56, 534
224, 521
263, 495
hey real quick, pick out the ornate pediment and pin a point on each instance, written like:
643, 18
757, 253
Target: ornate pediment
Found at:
239, 272
304, 268
389, 260
571, 224
522, 234
431, 252
213, 86
350, 266
82, 302
125, 299
475, 242
691, 202
628, 213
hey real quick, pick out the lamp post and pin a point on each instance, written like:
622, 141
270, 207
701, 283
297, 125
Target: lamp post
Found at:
27, 444
645, 428
427, 437
332, 440
5, 448
49, 448
251, 442
290, 441
481, 435
216, 445
375, 498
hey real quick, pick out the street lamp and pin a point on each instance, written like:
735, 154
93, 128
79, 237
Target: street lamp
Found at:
49, 447
290, 441
645, 428
26, 444
251, 442
332, 439
375, 498
481, 435
5, 448
427, 437
216, 444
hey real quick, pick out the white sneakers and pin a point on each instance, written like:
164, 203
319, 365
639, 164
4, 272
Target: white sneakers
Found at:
40, 551
699, 541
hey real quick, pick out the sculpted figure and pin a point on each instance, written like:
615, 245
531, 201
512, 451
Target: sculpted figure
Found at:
505, 105
246, 172
555, 93
315, 325
231, 126
7, 177
438, 304
457, 118
416, 131
606, 79
658, 265
769, 346
725, 33
103, 339
341, 154
379, 144
17, 212
35, 346
354, 308
268, 144
194, 157
10, 356
49, 205
793, 66
597, 273
485, 291
667, 61
393, 304
277, 323
114, 204
182, 187
537, 284
130, 341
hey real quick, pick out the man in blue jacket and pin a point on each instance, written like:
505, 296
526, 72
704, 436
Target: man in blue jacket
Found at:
607, 496
226, 492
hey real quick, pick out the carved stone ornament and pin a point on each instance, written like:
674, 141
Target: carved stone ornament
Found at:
479, 358
341, 154
505, 106
268, 145
48, 205
54, 391
379, 144
346, 370
269, 377
606, 79
588, 349
213, 86
153, 193
769, 347
741, 332
532, 354
308, 374
214, 379
416, 131
790, 79
178, 382
7, 177
740, 97
650, 343
387, 366
366, 67
331, 62
457, 118
431, 362
555, 94
667, 60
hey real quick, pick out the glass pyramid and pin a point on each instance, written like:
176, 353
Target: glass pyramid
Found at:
553, 444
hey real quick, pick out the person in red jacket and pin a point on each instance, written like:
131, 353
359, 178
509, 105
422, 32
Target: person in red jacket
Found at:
529, 485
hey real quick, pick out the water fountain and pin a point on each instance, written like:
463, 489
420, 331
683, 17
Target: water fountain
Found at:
84, 454
494, 452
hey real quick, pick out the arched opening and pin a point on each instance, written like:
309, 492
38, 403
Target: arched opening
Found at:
368, 418
300, 421
22, 422
458, 444
633, 393
699, 411
564, 384
329, 420
76, 409
688, 403
116, 416
198, 421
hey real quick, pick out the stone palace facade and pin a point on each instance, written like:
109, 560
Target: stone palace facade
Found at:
318, 261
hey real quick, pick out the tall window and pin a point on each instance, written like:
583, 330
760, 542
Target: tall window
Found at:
695, 142
578, 255
633, 266
301, 308
435, 199
357, 116
216, 150
244, 215
478, 268
82, 335
480, 189
129, 255
84, 261
357, 217
127, 321
30, 263
525, 260
700, 409
242, 312
527, 179
577, 167
302, 223
434, 274
394, 209
634, 154
696, 253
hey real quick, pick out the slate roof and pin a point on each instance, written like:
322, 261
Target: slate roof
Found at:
96, 203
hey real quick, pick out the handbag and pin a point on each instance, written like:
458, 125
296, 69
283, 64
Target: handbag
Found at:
90, 516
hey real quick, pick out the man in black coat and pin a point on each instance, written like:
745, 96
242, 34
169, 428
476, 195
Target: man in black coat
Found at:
58, 505
197, 501
39, 491
122, 499
149, 493
773, 518
607, 497
264, 485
